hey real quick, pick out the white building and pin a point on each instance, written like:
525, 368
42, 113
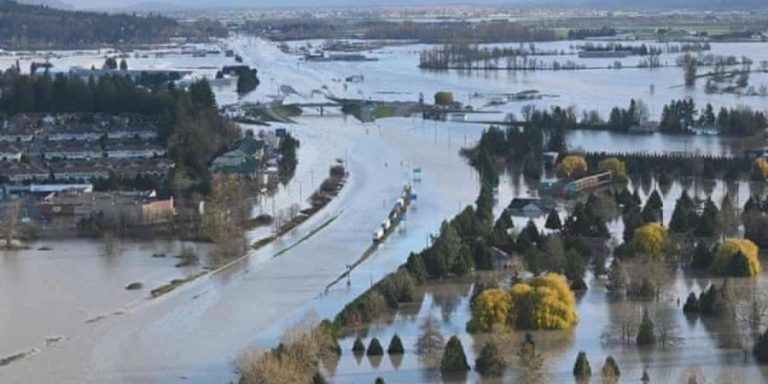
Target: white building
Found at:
134, 151
10, 152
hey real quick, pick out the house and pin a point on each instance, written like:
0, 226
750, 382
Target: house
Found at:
79, 150
134, 150
134, 74
131, 168
251, 146
642, 129
132, 208
550, 158
235, 162
76, 132
154, 211
526, 206
17, 132
132, 131
10, 152
500, 258
80, 171
22, 172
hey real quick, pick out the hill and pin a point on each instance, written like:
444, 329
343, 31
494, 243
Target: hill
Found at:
24, 26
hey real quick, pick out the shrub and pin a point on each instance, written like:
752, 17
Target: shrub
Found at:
650, 240
444, 98
723, 263
379, 380
454, 359
614, 165
611, 368
581, 369
490, 361
572, 166
691, 304
395, 346
491, 307
374, 348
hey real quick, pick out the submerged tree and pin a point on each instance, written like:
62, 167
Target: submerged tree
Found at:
645, 333
490, 361
454, 359
581, 369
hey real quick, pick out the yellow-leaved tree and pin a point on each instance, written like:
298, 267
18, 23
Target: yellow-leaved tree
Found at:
490, 308
572, 166
545, 302
760, 169
737, 257
650, 240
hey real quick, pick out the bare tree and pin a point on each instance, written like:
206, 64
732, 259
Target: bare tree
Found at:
430, 343
11, 220
665, 321
752, 317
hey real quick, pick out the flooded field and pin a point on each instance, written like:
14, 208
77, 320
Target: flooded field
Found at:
708, 347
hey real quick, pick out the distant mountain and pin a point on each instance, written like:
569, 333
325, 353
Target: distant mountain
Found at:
48, 3
178, 5
721, 5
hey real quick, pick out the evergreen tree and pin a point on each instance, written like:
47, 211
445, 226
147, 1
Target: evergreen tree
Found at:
553, 221
738, 266
655, 200
708, 222
760, 349
358, 347
417, 269
374, 348
679, 221
611, 368
651, 214
490, 361
395, 346
645, 333
581, 369
633, 220
454, 359
702, 257
691, 304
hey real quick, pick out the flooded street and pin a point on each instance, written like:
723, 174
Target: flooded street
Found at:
158, 340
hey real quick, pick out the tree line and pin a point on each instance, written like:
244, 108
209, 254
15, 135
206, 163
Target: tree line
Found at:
189, 122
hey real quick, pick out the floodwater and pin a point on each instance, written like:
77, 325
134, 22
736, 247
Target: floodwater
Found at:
53, 301
708, 347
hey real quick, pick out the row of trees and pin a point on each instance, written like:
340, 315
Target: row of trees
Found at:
449, 32
668, 167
